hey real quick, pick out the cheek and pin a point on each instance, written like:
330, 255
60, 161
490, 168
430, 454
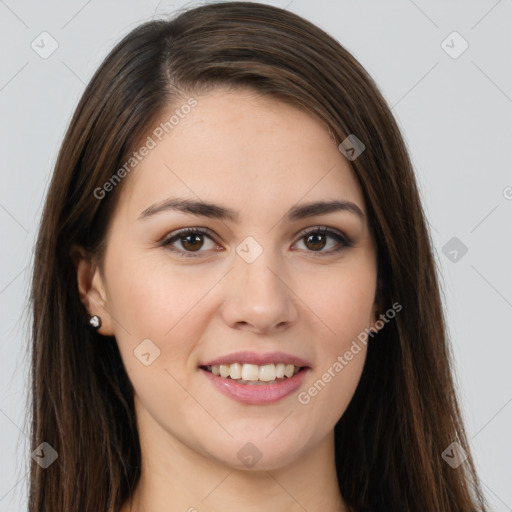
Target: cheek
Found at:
152, 296
157, 307
341, 356
325, 398
151, 300
342, 300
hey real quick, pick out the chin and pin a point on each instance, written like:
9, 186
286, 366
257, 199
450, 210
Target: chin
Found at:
257, 453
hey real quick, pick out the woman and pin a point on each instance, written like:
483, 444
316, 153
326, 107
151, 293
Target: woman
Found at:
235, 302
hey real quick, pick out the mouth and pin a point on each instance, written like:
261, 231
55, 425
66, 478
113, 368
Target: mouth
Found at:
253, 374
254, 378
256, 384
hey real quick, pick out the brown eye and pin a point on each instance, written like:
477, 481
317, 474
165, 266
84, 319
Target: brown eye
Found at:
317, 240
192, 240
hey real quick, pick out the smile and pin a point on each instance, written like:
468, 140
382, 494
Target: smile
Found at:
253, 374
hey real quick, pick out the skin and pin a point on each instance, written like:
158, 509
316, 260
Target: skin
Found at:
260, 157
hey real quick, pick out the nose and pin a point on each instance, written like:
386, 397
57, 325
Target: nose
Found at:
259, 298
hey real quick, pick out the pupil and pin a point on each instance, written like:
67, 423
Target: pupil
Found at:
198, 240
316, 245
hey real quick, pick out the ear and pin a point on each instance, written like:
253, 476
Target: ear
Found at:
91, 288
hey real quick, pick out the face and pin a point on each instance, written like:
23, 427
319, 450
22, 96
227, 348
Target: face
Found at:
258, 283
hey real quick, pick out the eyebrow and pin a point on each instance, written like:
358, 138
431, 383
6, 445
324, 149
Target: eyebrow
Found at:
214, 211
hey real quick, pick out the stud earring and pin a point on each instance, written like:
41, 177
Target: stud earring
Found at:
95, 321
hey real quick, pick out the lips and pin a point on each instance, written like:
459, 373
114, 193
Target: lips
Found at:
254, 378
258, 359
252, 373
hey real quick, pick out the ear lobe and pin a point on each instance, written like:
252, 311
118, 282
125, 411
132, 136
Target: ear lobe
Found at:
91, 288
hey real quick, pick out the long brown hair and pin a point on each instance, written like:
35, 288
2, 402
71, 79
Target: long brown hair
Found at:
404, 414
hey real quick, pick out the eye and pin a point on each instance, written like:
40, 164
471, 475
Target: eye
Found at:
316, 240
192, 241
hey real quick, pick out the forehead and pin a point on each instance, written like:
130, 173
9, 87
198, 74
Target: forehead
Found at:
254, 152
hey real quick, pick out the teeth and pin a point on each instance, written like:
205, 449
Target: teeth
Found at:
250, 372
253, 372
235, 371
268, 372
288, 371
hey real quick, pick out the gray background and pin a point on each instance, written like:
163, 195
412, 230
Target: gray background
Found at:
455, 114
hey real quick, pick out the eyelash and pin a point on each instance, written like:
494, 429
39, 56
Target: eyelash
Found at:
168, 241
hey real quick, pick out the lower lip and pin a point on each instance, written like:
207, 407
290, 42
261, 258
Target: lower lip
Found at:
257, 394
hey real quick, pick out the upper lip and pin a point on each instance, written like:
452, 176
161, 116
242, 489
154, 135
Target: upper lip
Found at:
258, 359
